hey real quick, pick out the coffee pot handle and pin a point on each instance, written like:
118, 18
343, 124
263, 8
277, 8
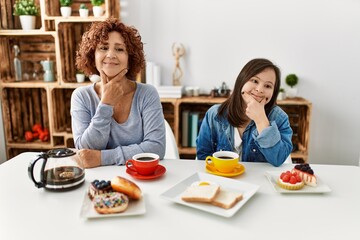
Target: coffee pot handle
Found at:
31, 170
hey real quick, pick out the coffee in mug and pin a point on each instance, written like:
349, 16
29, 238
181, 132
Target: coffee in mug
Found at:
223, 161
143, 163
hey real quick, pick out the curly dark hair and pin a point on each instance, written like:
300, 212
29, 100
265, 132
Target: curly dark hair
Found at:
233, 107
99, 32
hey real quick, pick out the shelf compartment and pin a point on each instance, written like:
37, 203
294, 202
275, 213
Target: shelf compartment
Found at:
111, 8
299, 118
13, 152
69, 39
33, 50
22, 108
8, 20
61, 99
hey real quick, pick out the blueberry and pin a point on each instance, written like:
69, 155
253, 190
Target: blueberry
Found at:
310, 171
95, 181
298, 167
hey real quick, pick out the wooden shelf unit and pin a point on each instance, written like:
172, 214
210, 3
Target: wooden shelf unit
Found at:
27, 102
298, 109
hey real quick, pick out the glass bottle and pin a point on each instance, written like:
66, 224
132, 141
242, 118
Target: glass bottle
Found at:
17, 64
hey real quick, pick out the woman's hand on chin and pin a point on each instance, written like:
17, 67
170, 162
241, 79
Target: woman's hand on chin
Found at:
112, 89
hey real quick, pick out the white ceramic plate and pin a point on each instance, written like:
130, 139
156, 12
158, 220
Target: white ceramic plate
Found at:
136, 207
321, 187
247, 189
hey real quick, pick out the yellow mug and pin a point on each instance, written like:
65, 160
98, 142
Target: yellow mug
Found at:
223, 161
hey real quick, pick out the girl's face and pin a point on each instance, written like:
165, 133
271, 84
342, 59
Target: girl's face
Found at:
261, 86
111, 55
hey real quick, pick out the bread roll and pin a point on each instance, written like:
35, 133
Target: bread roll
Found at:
123, 185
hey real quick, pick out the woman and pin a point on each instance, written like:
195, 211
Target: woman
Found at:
249, 122
116, 118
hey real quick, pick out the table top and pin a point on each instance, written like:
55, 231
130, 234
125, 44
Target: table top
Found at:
28, 211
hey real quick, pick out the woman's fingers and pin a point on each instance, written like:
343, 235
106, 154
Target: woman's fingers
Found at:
121, 74
104, 78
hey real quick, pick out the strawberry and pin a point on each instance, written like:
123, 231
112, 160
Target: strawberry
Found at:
293, 180
286, 178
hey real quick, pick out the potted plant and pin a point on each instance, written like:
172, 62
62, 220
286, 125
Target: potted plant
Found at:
27, 11
292, 80
83, 11
80, 77
65, 8
98, 9
281, 94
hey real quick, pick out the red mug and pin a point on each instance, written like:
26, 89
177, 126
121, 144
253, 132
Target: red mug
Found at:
143, 163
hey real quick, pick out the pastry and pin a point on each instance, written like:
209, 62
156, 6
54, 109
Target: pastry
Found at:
123, 185
290, 181
113, 202
306, 173
99, 187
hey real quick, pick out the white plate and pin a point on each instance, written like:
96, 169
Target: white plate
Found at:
136, 207
321, 187
247, 189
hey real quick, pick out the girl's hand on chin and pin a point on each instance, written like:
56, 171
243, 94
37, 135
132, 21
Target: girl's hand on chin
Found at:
254, 110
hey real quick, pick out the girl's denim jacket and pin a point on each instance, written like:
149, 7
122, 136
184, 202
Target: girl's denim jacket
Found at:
273, 145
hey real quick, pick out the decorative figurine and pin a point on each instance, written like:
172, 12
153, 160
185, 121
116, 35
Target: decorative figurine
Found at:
178, 51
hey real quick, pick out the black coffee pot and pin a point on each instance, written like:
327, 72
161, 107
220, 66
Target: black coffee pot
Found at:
59, 171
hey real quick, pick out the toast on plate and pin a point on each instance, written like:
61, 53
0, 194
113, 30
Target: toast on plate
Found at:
200, 193
226, 199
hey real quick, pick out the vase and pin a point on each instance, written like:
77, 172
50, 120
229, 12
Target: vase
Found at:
27, 22
65, 11
292, 92
98, 11
84, 13
80, 78
281, 96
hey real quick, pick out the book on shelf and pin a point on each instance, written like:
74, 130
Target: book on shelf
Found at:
169, 91
190, 126
193, 128
185, 128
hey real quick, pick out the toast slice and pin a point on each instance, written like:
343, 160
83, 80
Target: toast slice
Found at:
226, 199
205, 193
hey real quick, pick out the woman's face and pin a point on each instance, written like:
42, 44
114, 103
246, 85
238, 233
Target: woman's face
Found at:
111, 55
261, 86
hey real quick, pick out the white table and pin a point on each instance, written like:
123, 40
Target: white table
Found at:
27, 211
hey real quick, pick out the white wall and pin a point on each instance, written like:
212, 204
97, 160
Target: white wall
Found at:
319, 40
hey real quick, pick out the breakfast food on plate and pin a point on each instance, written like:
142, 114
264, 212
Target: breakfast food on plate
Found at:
210, 192
226, 199
290, 181
203, 183
200, 193
123, 185
306, 174
112, 202
99, 187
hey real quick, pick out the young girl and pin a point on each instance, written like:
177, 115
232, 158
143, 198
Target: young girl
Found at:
249, 122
